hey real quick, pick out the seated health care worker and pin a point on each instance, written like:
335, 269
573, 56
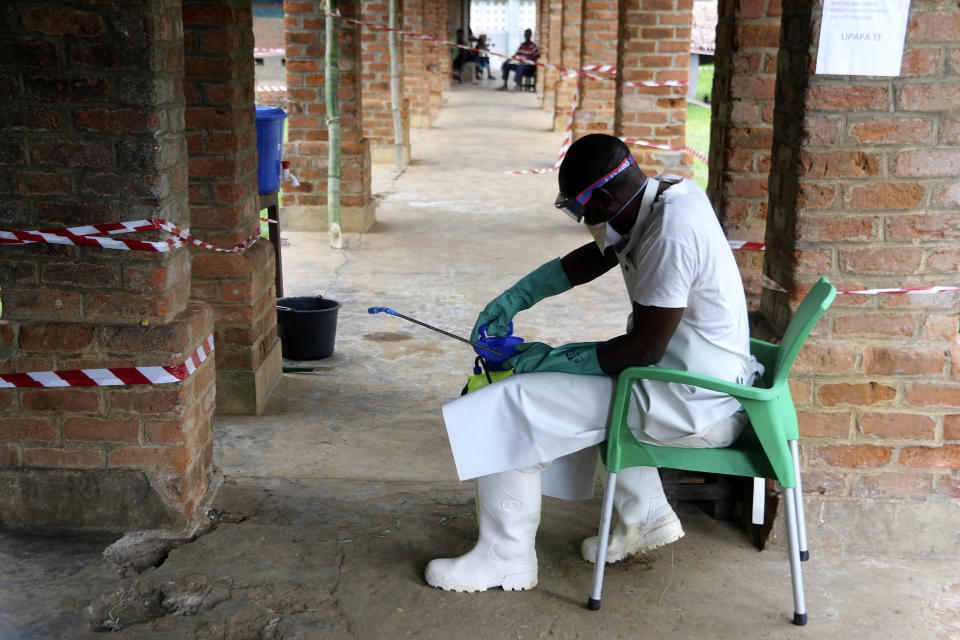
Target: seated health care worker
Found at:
536, 431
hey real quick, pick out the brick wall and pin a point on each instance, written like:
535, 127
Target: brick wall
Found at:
417, 67
307, 147
224, 208
375, 83
93, 133
570, 53
863, 190
655, 45
550, 22
748, 37
596, 112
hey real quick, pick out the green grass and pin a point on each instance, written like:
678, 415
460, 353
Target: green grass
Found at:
704, 82
698, 137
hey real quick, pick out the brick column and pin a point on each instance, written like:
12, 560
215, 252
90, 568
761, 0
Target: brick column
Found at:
748, 37
439, 64
305, 207
92, 126
224, 207
550, 23
655, 45
570, 51
596, 112
375, 78
863, 190
416, 65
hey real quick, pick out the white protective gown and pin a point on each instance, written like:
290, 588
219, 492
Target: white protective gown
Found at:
675, 256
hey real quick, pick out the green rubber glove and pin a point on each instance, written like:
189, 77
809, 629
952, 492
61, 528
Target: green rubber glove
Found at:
545, 281
537, 357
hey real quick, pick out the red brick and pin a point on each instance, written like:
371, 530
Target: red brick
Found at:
823, 425
951, 427
838, 164
55, 337
944, 261
892, 131
101, 430
950, 484
926, 227
896, 426
117, 120
888, 324
833, 228
861, 455
846, 98
9, 456
152, 457
831, 395
64, 459
913, 360
78, 274
932, 163
745, 187
164, 431
39, 183
821, 132
885, 196
67, 400
882, 261
945, 457
750, 137
940, 97
208, 15
939, 326
926, 395
826, 359
919, 62
62, 22
933, 27
757, 35
752, 88
910, 486
26, 429
72, 154
164, 399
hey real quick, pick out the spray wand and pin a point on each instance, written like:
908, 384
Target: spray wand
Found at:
391, 312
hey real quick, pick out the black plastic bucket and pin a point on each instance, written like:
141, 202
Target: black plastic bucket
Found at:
307, 326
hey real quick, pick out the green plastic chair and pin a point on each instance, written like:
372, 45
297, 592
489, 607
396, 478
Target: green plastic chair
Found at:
767, 448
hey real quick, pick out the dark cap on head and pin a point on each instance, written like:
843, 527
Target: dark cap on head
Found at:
588, 159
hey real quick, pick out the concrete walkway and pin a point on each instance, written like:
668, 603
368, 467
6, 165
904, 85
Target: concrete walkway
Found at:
335, 499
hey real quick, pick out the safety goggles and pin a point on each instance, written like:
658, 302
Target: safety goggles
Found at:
573, 207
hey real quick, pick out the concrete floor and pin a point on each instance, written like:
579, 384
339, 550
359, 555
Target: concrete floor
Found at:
335, 499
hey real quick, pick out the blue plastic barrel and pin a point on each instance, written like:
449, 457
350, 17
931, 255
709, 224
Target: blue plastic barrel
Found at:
269, 147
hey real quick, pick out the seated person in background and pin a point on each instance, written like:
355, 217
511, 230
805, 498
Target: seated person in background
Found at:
482, 57
522, 60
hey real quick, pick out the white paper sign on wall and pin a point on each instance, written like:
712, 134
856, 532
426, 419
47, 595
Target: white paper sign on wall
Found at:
862, 37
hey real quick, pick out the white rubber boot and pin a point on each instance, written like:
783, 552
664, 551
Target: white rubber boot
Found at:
504, 556
646, 519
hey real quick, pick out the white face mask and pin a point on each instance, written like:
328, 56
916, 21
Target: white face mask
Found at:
603, 232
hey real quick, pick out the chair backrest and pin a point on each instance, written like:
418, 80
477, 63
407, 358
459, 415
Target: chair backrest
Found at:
813, 306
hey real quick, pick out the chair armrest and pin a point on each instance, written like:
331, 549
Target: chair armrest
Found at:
632, 374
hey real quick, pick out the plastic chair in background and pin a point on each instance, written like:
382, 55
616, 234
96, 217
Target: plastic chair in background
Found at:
767, 448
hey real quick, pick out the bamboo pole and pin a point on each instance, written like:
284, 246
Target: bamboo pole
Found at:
395, 88
331, 83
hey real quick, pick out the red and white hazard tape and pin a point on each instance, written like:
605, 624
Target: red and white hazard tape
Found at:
645, 143
768, 283
747, 246
261, 52
112, 377
90, 236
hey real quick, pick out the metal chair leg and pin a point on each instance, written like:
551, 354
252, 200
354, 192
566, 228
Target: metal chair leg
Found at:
600, 561
801, 520
796, 575
759, 500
